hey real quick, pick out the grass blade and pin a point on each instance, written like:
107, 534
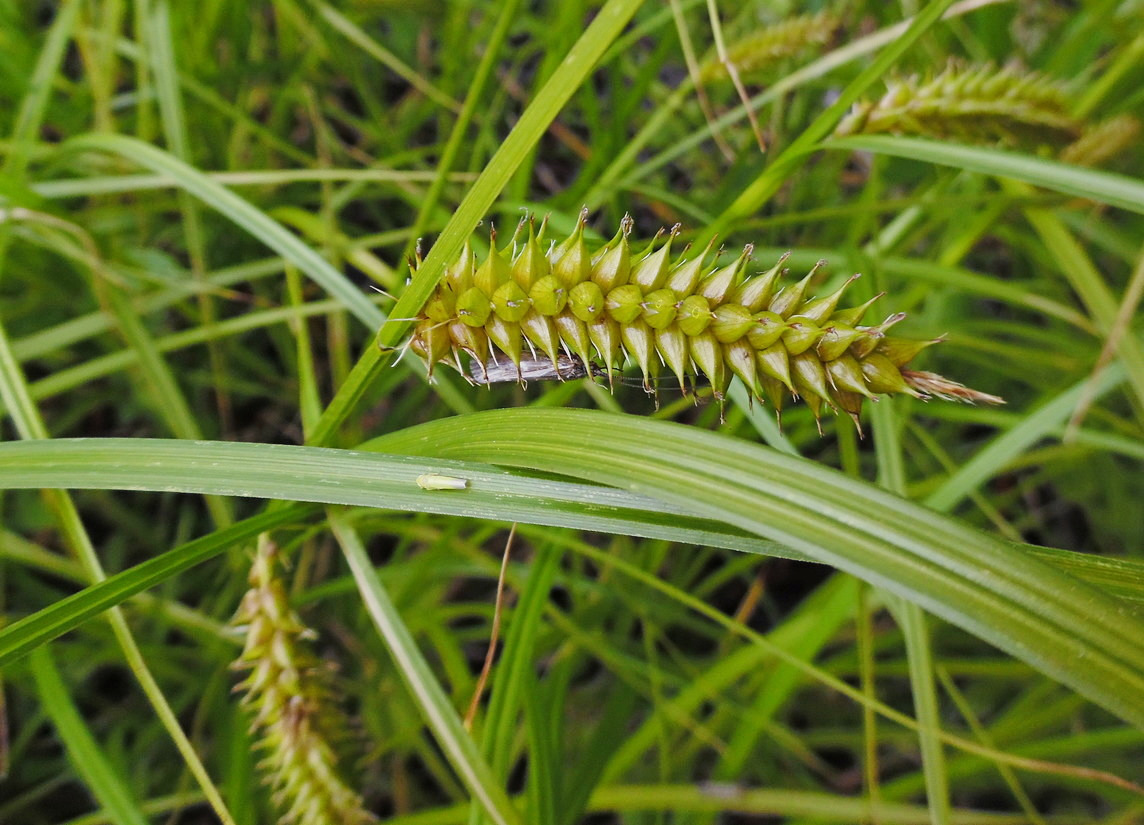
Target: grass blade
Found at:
1092, 184
439, 713
241, 212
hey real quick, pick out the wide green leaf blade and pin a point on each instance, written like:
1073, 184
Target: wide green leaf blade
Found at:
1082, 636
1062, 626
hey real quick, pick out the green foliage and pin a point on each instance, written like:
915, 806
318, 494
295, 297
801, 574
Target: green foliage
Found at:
940, 622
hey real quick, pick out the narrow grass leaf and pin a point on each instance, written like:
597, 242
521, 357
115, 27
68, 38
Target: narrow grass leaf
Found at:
242, 213
1093, 184
84, 753
439, 713
31, 632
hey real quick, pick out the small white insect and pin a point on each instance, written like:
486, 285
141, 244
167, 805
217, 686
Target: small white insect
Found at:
433, 481
566, 368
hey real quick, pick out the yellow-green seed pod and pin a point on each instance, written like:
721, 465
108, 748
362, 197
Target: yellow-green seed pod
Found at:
836, 339
574, 334
540, 330
441, 308
686, 275
851, 404
639, 341
789, 299
867, 343
694, 315
624, 303
812, 400
740, 358
775, 392
586, 301
853, 316
801, 334
548, 295
605, 336
531, 264
571, 261
882, 376
767, 329
775, 362
732, 322
707, 353
821, 309
845, 373
673, 347
459, 276
659, 308
466, 338
754, 293
901, 351
613, 267
493, 272
507, 337
808, 371
718, 285
434, 340
474, 307
510, 302
650, 272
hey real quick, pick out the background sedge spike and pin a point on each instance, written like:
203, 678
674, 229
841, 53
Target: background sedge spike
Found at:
569, 307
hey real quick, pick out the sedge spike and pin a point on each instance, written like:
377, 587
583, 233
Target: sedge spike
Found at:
679, 312
764, 48
972, 103
293, 716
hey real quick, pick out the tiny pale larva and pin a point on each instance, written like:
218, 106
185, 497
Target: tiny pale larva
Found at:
500, 371
433, 481
569, 312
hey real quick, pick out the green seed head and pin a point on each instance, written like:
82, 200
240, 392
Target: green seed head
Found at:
493, 272
651, 271
531, 264
571, 261
732, 321
613, 265
694, 320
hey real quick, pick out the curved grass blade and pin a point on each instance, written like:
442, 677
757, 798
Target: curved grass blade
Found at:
90, 762
1072, 631
439, 712
1092, 184
1069, 630
241, 212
